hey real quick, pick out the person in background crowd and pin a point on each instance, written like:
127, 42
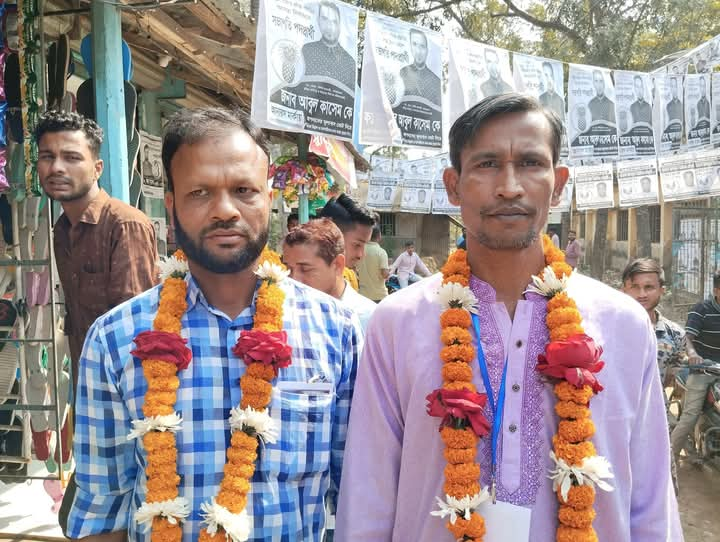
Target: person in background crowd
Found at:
314, 254
373, 269
573, 250
293, 221
703, 344
355, 223
644, 280
552, 232
461, 242
406, 264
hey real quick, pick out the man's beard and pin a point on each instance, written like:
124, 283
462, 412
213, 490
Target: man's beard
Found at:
517, 242
197, 253
77, 193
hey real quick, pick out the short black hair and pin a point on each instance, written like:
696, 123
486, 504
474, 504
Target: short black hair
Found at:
643, 265
409, 244
329, 5
547, 64
61, 121
419, 32
293, 216
472, 121
637, 78
346, 213
191, 126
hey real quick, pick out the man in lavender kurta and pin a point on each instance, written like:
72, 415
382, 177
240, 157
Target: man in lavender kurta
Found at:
505, 176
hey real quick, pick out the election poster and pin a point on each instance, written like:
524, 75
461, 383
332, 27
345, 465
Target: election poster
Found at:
306, 67
151, 168
707, 172
476, 71
697, 111
633, 110
594, 187
668, 113
592, 128
440, 203
677, 177
401, 102
715, 110
417, 185
385, 186
542, 78
638, 182
565, 203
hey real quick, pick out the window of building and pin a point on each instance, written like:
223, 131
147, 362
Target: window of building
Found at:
387, 224
655, 223
622, 225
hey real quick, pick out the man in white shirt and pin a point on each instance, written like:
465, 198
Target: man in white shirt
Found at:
554, 237
405, 266
315, 255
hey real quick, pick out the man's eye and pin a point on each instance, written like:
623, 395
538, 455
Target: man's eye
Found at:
530, 163
487, 164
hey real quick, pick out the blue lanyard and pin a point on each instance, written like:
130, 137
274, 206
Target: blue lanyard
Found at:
495, 407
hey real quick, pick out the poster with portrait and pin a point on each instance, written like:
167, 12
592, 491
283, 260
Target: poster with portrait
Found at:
633, 110
592, 129
638, 182
679, 66
385, 182
707, 172
440, 203
594, 187
542, 78
401, 102
417, 185
306, 67
668, 113
151, 168
476, 71
697, 110
565, 203
715, 110
160, 228
677, 177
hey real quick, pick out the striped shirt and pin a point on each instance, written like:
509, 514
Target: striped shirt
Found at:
310, 404
703, 325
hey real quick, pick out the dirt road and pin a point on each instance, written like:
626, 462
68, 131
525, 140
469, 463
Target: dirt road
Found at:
699, 499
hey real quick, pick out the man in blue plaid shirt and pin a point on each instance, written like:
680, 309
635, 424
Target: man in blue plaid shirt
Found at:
216, 164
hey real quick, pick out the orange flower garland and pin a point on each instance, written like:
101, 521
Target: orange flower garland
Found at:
225, 515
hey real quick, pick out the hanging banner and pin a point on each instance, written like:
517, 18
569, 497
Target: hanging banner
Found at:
594, 187
715, 110
440, 203
697, 111
385, 185
638, 182
633, 108
707, 172
592, 130
401, 100
417, 185
476, 71
668, 113
306, 67
567, 193
151, 168
340, 160
679, 66
677, 176
542, 78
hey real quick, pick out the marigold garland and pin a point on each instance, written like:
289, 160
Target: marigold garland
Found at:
161, 396
572, 446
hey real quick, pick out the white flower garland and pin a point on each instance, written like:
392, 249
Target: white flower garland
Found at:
175, 510
460, 507
168, 422
254, 423
236, 526
172, 267
548, 284
590, 473
271, 272
456, 296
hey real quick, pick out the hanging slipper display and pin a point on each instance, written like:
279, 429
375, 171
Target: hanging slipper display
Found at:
28, 49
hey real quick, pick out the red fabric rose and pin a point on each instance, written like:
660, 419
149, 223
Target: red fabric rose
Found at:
575, 360
451, 405
164, 346
268, 347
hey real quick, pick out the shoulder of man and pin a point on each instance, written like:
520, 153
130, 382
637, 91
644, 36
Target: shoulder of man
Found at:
298, 296
120, 211
605, 306
139, 311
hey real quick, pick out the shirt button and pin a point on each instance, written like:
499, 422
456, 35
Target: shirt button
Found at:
512, 428
519, 344
516, 387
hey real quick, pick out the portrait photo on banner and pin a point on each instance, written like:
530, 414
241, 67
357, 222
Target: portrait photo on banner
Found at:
638, 182
697, 111
401, 102
668, 113
594, 187
592, 127
385, 186
677, 177
715, 110
417, 185
634, 113
309, 50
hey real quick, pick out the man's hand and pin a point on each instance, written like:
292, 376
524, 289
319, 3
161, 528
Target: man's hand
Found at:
695, 359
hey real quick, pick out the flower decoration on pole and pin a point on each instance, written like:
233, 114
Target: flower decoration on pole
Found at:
292, 177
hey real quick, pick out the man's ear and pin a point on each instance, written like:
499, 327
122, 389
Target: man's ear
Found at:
99, 167
339, 264
562, 174
451, 180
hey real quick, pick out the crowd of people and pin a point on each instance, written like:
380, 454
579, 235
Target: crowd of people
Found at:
351, 385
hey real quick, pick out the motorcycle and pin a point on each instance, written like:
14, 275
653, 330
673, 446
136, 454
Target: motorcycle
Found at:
393, 284
705, 438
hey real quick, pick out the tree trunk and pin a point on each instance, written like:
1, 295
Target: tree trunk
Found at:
597, 261
642, 224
